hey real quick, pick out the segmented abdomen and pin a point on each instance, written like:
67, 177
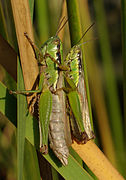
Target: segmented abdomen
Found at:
56, 131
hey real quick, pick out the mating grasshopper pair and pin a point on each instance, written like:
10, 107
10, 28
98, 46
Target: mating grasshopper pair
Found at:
50, 121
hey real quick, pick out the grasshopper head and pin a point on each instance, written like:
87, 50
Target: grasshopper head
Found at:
53, 46
73, 61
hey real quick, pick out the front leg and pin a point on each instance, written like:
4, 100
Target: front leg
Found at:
61, 67
37, 51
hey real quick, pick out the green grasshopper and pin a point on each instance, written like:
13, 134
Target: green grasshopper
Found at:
76, 93
43, 98
50, 58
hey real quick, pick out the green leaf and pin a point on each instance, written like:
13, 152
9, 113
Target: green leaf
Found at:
31, 5
2, 23
72, 171
31, 167
8, 104
76, 156
42, 19
74, 21
55, 175
21, 119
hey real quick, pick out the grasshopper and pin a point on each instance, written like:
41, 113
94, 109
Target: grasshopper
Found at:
43, 99
76, 93
49, 56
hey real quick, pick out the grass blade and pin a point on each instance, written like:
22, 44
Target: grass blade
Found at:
8, 57
31, 167
111, 86
22, 24
9, 23
123, 10
2, 23
68, 172
76, 156
42, 20
21, 120
8, 104
31, 6
55, 175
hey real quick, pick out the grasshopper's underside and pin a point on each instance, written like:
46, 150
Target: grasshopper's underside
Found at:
56, 131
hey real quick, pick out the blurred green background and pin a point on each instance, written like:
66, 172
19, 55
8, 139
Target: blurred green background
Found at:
104, 65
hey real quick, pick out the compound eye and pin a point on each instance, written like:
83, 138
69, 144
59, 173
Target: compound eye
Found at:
58, 46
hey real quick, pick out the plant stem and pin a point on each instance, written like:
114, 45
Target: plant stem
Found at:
96, 161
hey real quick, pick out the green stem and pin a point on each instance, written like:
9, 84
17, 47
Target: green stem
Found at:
42, 20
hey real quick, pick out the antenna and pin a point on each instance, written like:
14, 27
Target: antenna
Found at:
86, 32
60, 23
88, 41
60, 28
